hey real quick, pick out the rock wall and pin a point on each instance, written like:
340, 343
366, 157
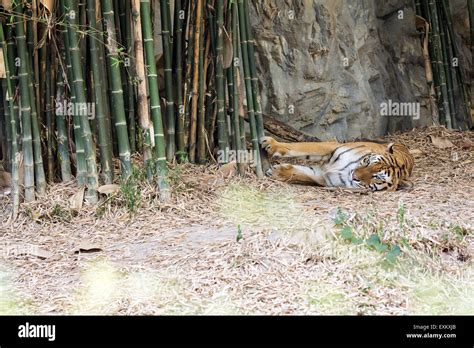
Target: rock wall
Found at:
326, 66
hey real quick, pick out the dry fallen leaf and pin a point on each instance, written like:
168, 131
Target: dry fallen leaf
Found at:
7, 5
108, 189
466, 144
416, 152
87, 247
5, 179
441, 143
77, 199
228, 54
49, 4
228, 169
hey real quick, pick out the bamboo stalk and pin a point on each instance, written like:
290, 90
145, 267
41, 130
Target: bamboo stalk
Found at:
456, 71
81, 166
201, 122
81, 100
211, 111
116, 86
32, 42
5, 129
178, 44
221, 122
248, 88
265, 163
129, 73
167, 54
10, 59
447, 62
142, 100
49, 81
40, 179
195, 83
25, 107
15, 154
105, 146
159, 139
445, 116
234, 89
62, 138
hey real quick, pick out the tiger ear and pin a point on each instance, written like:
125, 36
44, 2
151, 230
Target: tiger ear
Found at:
390, 148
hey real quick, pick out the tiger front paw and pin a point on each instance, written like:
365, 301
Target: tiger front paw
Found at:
272, 147
281, 172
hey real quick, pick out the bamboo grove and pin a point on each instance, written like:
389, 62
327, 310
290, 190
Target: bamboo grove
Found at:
82, 89
445, 77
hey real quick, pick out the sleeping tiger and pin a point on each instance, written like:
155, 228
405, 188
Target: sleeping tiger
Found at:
363, 165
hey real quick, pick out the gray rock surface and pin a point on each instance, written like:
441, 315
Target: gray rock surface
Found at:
326, 66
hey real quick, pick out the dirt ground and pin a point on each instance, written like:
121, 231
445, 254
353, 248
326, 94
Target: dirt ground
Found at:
238, 245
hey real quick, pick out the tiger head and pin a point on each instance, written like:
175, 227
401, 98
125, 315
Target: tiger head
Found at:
379, 172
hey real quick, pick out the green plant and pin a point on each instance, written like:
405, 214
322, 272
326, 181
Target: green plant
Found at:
60, 213
390, 251
340, 217
130, 191
401, 215
239, 234
348, 235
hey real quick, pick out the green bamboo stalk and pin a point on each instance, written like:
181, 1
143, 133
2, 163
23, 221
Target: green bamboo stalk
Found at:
25, 107
48, 83
456, 71
142, 100
10, 59
119, 8
221, 116
435, 89
32, 40
4, 120
253, 72
239, 143
195, 82
81, 100
5, 129
201, 127
62, 138
248, 88
40, 178
211, 95
167, 54
81, 166
178, 42
105, 146
105, 84
129, 73
445, 116
255, 89
15, 154
116, 86
159, 149
188, 76
447, 62
34, 94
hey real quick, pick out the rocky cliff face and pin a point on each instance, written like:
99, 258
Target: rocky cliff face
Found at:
326, 67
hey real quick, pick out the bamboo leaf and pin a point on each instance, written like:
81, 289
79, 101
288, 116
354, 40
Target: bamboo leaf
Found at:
76, 201
441, 143
228, 51
108, 189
